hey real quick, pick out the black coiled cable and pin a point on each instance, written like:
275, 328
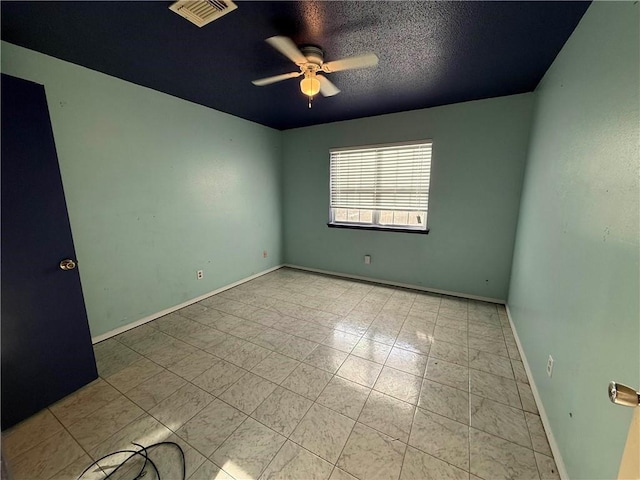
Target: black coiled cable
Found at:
143, 452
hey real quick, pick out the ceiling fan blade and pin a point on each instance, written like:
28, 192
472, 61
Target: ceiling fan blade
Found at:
327, 88
276, 78
360, 61
289, 49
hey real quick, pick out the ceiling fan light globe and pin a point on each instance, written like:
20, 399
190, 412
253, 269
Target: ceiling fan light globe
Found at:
310, 86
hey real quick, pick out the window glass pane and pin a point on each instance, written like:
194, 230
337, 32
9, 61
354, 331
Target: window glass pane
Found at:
416, 218
353, 215
386, 217
400, 218
366, 216
340, 214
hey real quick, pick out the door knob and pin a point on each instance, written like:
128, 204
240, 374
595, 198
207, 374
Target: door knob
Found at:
623, 395
67, 264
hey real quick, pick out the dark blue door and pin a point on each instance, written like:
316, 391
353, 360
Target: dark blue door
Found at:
46, 344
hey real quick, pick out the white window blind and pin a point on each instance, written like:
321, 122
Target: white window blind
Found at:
389, 177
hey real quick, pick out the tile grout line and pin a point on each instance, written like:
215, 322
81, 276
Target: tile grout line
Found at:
415, 408
107, 438
325, 387
217, 397
170, 429
468, 426
426, 409
77, 443
333, 374
188, 382
524, 413
467, 334
7, 435
356, 421
288, 437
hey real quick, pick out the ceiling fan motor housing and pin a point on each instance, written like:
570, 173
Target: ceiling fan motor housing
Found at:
313, 53
310, 60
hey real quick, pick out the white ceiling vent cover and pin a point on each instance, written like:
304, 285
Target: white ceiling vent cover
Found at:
202, 12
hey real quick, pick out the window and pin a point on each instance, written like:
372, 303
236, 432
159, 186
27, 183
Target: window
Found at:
381, 187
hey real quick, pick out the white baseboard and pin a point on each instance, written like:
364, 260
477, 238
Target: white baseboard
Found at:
562, 470
398, 284
166, 311
142, 321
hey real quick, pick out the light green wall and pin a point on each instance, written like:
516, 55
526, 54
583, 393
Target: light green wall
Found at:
156, 189
574, 287
479, 150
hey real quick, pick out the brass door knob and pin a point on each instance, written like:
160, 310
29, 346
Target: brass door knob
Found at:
623, 395
67, 264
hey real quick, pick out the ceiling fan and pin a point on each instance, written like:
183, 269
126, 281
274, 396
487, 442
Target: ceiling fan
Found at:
310, 60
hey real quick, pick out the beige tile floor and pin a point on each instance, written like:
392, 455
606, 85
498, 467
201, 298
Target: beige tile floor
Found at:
302, 376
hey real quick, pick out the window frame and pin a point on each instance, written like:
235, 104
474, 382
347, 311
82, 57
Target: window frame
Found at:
375, 224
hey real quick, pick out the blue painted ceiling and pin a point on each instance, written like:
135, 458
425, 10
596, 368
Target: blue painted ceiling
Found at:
431, 53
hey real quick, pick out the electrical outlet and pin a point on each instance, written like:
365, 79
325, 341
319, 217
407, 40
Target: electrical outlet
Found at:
199, 274
367, 259
550, 366
264, 254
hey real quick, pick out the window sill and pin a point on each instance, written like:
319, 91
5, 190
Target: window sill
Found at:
377, 228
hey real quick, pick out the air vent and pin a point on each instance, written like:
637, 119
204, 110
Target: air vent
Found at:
202, 12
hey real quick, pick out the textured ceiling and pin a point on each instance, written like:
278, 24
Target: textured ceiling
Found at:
431, 53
